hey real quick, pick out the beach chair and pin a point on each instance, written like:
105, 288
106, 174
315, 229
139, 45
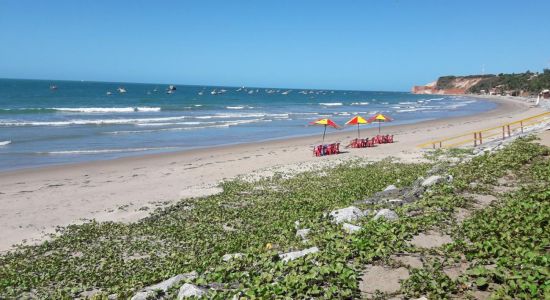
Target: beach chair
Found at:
318, 150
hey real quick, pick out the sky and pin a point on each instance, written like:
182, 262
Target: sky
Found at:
384, 45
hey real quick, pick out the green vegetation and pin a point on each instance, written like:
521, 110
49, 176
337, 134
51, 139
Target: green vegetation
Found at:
528, 82
505, 246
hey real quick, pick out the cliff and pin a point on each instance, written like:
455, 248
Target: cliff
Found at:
450, 85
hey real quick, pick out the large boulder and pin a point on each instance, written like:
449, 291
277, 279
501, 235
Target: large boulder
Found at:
347, 214
387, 214
285, 257
190, 290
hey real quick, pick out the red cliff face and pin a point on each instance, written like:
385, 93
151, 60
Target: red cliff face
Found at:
426, 89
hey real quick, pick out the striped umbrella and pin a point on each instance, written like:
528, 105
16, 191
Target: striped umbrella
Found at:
356, 121
379, 118
325, 122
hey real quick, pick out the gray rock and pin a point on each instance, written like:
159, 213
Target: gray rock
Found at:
450, 178
303, 233
350, 228
296, 225
228, 257
387, 214
190, 290
347, 214
297, 254
413, 194
432, 180
163, 286
390, 188
395, 202
436, 169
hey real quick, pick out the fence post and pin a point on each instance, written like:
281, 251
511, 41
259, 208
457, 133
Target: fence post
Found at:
509, 134
480, 138
475, 139
521, 124
503, 136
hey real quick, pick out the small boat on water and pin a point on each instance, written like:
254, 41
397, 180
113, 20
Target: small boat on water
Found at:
169, 92
171, 88
109, 93
53, 87
214, 92
285, 92
121, 90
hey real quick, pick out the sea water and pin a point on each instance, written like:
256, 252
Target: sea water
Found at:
56, 122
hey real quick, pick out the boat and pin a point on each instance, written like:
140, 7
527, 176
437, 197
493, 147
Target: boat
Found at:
53, 87
214, 92
171, 88
121, 90
169, 92
285, 92
108, 93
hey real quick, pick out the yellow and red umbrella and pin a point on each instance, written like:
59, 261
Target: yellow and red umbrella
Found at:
379, 118
325, 122
356, 121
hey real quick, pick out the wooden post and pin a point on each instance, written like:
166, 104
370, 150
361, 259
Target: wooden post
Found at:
521, 124
503, 136
433, 145
439, 144
480, 138
475, 139
509, 133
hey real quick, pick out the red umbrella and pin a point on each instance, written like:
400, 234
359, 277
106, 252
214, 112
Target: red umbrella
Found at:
379, 118
325, 122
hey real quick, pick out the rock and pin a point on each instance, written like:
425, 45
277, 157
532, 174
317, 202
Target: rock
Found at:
143, 295
347, 214
163, 286
303, 233
432, 180
390, 188
387, 214
190, 290
395, 202
450, 178
112, 297
413, 194
228, 257
350, 228
297, 254
296, 225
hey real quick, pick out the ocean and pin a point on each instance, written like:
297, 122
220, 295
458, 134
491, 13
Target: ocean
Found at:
57, 122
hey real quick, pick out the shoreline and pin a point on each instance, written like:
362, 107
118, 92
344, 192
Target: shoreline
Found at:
126, 189
210, 147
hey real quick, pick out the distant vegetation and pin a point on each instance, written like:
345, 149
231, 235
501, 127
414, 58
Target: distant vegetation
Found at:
529, 82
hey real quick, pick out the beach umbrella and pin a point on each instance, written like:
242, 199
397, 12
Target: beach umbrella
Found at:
379, 118
356, 121
325, 122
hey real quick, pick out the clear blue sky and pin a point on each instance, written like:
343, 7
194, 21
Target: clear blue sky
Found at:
366, 45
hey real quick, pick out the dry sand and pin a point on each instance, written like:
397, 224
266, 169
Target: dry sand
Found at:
35, 201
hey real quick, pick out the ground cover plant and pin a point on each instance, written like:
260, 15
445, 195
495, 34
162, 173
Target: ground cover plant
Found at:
192, 235
505, 245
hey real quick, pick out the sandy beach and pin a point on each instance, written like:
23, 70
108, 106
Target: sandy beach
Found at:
35, 201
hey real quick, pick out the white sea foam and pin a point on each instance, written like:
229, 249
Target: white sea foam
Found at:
107, 109
98, 151
331, 104
4, 143
89, 122
360, 103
